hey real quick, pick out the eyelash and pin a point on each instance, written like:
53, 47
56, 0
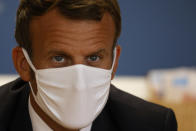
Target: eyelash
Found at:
53, 58
99, 57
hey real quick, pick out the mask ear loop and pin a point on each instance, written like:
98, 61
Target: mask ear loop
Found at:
28, 59
31, 65
114, 59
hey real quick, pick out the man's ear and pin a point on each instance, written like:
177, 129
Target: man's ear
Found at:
118, 51
20, 64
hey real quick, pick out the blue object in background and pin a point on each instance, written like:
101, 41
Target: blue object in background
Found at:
155, 34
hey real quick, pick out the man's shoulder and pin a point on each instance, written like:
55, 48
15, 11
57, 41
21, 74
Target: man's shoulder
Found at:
13, 95
127, 100
132, 112
12, 89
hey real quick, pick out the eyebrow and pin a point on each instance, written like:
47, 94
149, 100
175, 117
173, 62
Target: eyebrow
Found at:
59, 52
68, 55
98, 52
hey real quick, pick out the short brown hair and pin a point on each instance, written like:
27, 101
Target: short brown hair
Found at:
73, 9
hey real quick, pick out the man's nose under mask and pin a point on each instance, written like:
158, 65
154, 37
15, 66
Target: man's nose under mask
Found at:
72, 96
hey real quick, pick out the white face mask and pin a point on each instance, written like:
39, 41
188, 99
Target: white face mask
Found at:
73, 96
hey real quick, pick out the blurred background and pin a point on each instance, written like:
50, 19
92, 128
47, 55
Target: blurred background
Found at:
158, 57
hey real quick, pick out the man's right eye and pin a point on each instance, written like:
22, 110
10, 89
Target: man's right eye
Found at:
58, 59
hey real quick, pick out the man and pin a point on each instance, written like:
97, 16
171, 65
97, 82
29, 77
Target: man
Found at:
66, 58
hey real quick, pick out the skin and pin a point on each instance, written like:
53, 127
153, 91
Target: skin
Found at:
58, 41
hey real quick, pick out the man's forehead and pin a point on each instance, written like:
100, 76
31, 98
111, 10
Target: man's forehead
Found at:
53, 21
53, 29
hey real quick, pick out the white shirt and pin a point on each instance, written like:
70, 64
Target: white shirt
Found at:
39, 125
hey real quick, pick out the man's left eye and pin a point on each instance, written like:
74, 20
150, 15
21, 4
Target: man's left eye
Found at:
93, 58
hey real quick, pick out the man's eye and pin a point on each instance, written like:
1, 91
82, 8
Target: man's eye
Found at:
58, 59
93, 58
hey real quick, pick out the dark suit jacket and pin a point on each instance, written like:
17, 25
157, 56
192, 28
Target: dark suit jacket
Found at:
123, 112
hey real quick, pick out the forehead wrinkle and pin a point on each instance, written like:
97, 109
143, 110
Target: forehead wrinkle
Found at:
95, 35
79, 28
73, 50
70, 45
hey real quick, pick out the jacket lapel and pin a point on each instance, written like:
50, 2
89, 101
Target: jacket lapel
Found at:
104, 121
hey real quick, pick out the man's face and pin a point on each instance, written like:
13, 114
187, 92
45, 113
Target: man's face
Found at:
59, 42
